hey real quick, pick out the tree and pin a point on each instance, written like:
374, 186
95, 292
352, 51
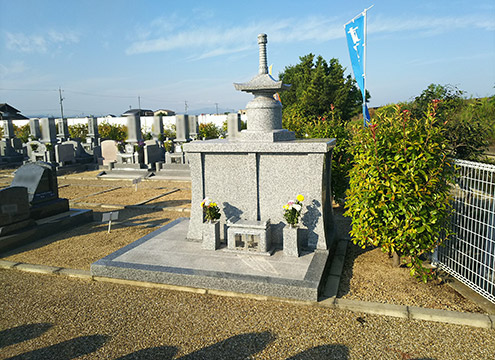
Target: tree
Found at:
318, 86
319, 104
468, 122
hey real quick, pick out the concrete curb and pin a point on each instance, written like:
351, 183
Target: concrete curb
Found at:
372, 308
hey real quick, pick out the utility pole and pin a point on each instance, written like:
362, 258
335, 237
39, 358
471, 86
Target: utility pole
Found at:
61, 99
216, 104
185, 106
139, 102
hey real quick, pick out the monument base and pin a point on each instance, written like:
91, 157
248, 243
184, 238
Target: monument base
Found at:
45, 227
165, 256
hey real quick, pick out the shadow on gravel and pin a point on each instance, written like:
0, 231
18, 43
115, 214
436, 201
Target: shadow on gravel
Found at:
239, 347
353, 252
66, 350
236, 347
22, 333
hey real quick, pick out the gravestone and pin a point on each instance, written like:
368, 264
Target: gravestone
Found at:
34, 129
30, 209
134, 129
10, 146
182, 128
193, 126
14, 209
157, 127
93, 127
8, 129
65, 154
153, 153
92, 143
48, 130
40, 179
109, 152
62, 130
233, 125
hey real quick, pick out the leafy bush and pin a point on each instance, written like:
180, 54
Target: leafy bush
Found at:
322, 127
208, 131
78, 131
112, 132
400, 185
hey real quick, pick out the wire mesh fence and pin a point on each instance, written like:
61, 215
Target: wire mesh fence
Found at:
469, 255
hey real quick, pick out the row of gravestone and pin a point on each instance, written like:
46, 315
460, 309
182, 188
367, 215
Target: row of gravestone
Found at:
47, 144
55, 146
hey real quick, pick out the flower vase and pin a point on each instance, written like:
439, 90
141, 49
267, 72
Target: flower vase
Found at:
291, 240
211, 235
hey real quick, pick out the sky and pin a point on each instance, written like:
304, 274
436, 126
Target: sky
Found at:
107, 56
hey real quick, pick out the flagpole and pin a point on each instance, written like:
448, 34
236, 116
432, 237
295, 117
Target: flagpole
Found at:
365, 44
364, 69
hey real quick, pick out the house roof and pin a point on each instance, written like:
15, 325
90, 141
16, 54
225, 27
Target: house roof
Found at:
8, 112
141, 112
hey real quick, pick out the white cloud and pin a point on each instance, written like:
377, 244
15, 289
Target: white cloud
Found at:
14, 68
39, 43
213, 40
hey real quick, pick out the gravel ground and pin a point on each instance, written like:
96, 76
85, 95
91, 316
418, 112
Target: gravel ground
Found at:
53, 317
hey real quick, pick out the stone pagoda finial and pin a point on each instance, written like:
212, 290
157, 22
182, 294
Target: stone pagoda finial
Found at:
263, 63
264, 112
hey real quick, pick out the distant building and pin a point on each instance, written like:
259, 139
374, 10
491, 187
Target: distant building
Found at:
164, 112
140, 112
8, 112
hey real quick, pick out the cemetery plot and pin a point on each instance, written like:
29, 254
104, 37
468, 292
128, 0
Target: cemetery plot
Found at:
80, 192
180, 198
127, 195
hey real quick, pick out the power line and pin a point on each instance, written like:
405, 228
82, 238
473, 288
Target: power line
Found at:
45, 90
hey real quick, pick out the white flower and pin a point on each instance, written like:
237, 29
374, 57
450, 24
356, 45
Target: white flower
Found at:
207, 201
297, 207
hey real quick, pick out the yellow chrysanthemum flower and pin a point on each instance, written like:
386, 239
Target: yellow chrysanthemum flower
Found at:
300, 198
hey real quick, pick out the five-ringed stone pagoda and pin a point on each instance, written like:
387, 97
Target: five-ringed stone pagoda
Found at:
252, 176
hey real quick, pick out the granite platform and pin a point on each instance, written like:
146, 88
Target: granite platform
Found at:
166, 256
45, 227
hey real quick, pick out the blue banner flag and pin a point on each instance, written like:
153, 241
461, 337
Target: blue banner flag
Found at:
367, 118
355, 40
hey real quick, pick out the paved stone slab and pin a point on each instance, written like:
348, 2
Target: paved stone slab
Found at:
5, 264
451, 317
42, 269
399, 311
165, 256
78, 273
150, 284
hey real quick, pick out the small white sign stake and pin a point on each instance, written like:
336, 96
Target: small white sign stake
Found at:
109, 217
136, 182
